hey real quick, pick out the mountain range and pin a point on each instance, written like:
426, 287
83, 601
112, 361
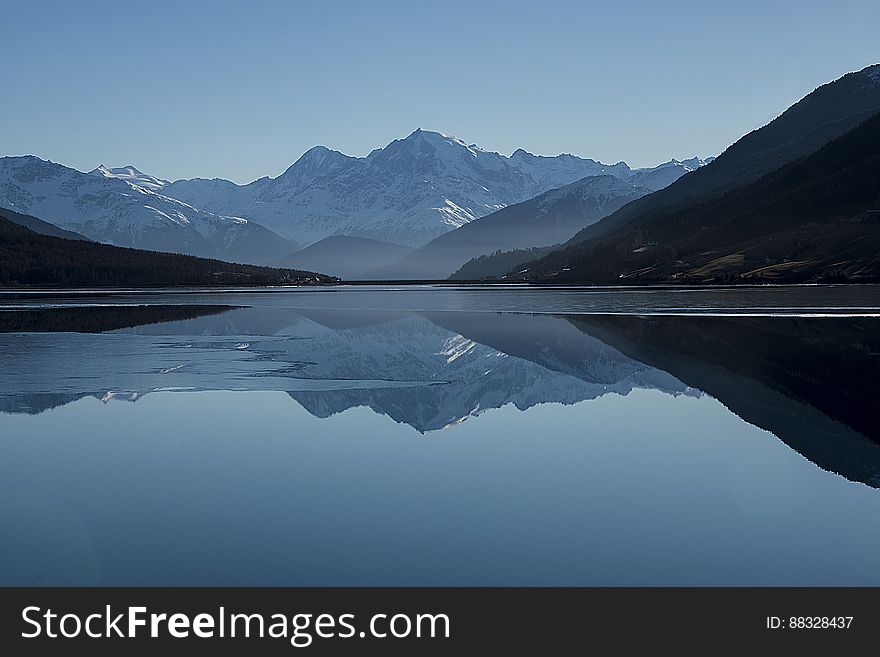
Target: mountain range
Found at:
791, 201
126, 209
405, 194
408, 192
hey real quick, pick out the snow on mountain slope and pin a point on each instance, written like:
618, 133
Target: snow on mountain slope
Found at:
409, 192
546, 171
121, 207
549, 218
665, 174
132, 176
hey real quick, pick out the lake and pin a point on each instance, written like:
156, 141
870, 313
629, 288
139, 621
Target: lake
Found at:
359, 435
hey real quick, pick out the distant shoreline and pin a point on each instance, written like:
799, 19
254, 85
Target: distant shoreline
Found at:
35, 292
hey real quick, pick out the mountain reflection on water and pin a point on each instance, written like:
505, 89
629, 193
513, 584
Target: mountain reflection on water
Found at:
405, 437
808, 381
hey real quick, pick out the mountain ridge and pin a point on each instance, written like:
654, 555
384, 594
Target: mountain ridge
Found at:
407, 192
820, 117
814, 219
824, 114
123, 209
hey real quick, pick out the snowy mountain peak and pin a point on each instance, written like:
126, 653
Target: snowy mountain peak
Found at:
439, 140
690, 164
409, 192
318, 160
130, 175
694, 163
122, 206
318, 155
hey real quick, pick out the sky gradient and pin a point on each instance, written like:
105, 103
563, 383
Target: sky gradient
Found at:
239, 90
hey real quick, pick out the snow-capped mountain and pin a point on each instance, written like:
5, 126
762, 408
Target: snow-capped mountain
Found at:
667, 173
547, 171
408, 192
132, 176
123, 207
549, 218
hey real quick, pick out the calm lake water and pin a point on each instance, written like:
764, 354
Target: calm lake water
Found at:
441, 436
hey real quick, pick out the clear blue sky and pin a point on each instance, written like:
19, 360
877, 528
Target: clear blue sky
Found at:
241, 89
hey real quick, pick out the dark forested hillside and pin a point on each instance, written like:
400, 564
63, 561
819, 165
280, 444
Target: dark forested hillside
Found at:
486, 267
97, 319
820, 117
31, 259
816, 219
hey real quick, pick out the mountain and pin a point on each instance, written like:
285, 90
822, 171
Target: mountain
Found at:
30, 259
408, 192
123, 209
39, 226
132, 176
344, 256
815, 219
824, 115
550, 218
663, 175
547, 171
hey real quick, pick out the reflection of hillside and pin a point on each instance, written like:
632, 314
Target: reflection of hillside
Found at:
810, 382
97, 319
